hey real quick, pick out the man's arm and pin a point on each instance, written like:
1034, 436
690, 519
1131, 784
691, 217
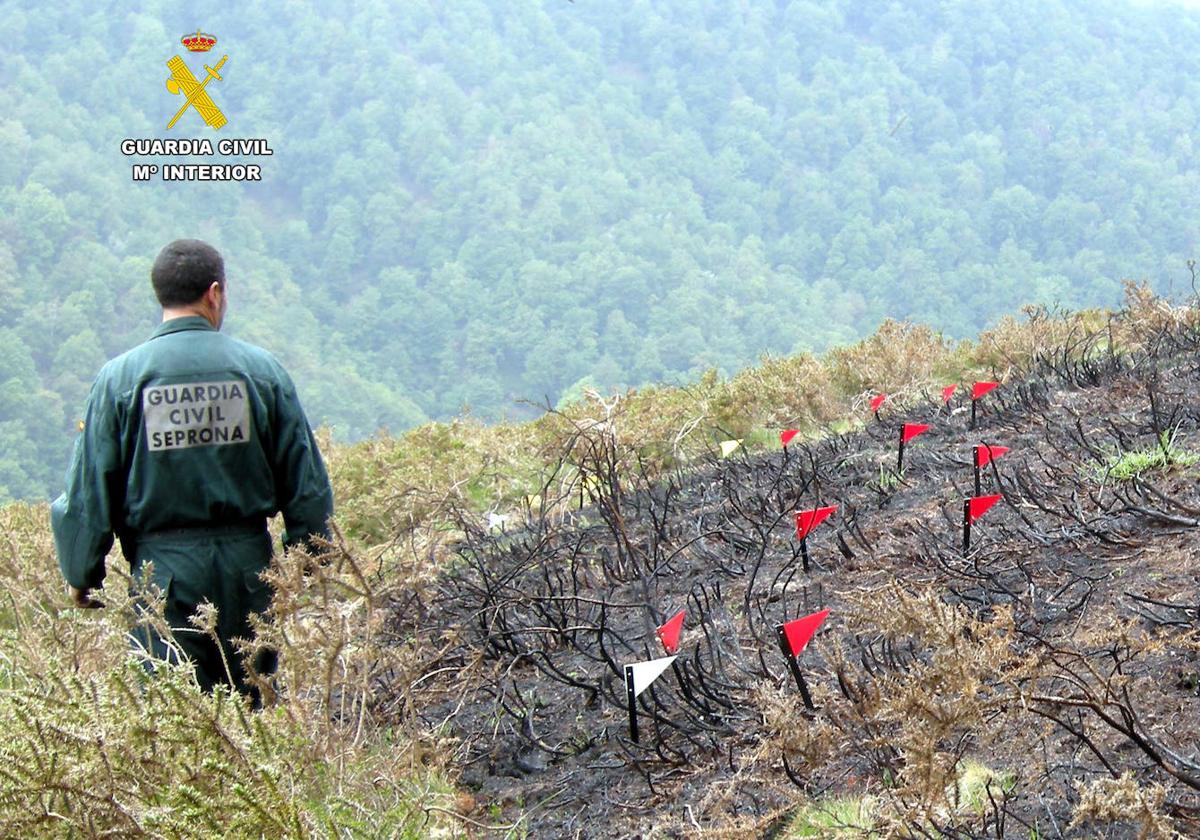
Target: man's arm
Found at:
82, 517
301, 482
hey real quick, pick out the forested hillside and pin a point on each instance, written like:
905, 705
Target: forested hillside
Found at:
475, 202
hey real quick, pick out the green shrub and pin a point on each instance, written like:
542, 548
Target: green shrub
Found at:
845, 816
1123, 466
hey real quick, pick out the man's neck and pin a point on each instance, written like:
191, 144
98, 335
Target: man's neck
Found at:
172, 312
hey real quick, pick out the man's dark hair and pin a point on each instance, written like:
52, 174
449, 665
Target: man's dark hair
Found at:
184, 270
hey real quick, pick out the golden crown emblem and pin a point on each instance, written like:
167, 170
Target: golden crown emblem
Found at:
200, 42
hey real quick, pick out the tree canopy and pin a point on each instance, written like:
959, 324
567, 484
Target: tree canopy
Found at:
476, 204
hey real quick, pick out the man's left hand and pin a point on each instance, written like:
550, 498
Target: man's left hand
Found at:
83, 598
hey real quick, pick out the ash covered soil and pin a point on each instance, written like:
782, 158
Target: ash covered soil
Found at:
1059, 651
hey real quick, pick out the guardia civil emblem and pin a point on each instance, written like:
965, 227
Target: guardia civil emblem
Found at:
183, 83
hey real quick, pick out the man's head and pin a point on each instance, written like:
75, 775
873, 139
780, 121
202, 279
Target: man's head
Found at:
189, 277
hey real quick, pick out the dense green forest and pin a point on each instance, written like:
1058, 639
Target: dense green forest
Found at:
477, 203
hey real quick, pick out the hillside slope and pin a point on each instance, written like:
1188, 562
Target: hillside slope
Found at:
1042, 683
453, 666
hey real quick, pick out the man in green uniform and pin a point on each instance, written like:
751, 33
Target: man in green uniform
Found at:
189, 443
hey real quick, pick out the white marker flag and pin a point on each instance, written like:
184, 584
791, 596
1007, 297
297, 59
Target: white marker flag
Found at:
644, 673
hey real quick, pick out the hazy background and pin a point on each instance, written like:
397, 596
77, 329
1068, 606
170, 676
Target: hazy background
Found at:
472, 203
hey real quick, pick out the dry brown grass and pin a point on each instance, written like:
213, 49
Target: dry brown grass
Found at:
96, 746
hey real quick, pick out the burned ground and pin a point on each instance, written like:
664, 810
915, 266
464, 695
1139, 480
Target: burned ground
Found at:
1059, 650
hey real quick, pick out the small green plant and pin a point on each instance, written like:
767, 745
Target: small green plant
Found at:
842, 817
1123, 466
974, 781
846, 426
889, 479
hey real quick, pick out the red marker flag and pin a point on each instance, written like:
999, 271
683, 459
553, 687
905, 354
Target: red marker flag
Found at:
668, 634
984, 455
785, 437
877, 401
982, 388
980, 505
799, 632
911, 430
948, 392
806, 520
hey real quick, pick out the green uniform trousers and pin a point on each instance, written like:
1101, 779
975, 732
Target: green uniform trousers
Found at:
221, 566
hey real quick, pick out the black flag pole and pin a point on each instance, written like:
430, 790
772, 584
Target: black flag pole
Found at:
794, 664
632, 698
900, 453
975, 460
966, 527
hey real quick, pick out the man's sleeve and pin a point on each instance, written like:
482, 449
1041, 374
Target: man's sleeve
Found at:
82, 517
301, 483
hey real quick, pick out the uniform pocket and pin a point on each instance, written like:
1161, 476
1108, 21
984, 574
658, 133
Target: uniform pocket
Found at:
258, 591
153, 605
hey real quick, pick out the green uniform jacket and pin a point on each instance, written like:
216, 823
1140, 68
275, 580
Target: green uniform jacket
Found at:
190, 429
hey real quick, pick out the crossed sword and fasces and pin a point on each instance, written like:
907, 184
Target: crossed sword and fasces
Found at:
183, 81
